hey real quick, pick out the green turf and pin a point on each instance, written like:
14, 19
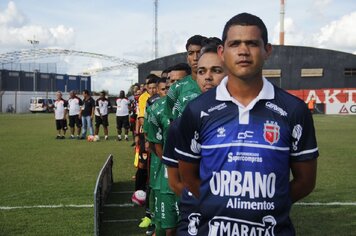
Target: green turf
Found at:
36, 169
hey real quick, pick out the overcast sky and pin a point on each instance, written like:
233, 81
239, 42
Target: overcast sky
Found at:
125, 28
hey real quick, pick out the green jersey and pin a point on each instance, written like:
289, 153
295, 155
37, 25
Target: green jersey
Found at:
179, 94
160, 123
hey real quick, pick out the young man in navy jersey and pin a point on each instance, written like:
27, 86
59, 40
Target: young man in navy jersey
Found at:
239, 142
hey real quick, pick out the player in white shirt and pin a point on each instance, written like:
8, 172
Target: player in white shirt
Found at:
102, 106
74, 106
60, 112
122, 115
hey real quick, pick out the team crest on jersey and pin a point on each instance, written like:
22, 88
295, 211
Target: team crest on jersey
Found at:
271, 132
194, 220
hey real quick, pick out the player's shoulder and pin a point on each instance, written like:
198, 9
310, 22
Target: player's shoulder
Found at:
289, 102
204, 101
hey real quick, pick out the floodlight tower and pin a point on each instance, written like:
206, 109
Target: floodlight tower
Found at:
156, 28
34, 44
281, 26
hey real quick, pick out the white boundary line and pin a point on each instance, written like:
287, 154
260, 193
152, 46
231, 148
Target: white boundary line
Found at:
131, 205
120, 221
325, 203
46, 206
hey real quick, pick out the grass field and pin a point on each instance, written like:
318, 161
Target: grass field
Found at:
36, 169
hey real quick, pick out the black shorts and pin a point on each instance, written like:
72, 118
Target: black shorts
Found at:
61, 124
74, 120
122, 121
103, 120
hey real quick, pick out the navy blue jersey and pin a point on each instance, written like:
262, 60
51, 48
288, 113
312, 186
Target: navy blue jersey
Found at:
244, 155
189, 216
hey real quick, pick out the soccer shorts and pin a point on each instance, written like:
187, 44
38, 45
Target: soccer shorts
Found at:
169, 210
189, 216
155, 202
61, 124
74, 120
103, 120
122, 122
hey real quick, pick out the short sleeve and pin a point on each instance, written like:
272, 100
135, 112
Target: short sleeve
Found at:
154, 131
188, 147
304, 144
171, 99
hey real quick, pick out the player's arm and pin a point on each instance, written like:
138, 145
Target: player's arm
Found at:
304, 154
190, 176
97, 107
171, 99
159, 150
92, 109
304, 179
188, 149
174, 181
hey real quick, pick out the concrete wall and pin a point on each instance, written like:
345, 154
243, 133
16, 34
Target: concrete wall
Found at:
20, 100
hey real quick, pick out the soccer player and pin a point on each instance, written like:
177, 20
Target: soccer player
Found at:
240, 141
210, 73
74, 107
87, 114
153, 208
141, 173
187, 89
122, 116
102, 106
60, 112
168, 211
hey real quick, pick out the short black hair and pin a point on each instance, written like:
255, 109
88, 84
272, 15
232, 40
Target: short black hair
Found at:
194, 40
152, 79
211, 45
182, 67
86, 91
162, 80
151, 76
246, 19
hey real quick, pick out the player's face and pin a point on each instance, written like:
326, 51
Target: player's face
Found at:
176, 75
162, 90
210, 71
58, 96
102, 96
193, 56
71, 94
151, 89
244, 52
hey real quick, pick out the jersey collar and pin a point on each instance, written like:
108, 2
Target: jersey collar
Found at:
267, 92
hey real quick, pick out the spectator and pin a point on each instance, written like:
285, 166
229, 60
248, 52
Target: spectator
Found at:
87, 114
101, 114
74, 106
122, 116
60, 112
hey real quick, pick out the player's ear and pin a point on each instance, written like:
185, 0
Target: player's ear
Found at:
221, 52
268, 49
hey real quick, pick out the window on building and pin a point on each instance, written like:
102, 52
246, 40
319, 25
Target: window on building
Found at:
348, 72
312, 72
271, 73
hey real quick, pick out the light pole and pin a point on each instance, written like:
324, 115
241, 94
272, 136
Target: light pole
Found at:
34, 43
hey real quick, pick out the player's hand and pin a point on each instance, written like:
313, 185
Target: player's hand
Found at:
137, 140
147, 146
